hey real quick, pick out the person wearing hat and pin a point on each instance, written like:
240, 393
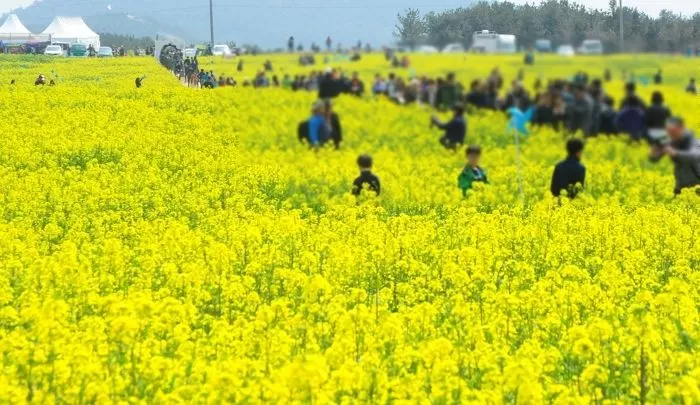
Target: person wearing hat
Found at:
455, 129
684, 150
472, 172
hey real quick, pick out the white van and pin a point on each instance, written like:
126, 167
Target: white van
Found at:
591, 47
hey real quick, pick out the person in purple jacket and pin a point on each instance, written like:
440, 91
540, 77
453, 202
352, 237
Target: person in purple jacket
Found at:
631, 119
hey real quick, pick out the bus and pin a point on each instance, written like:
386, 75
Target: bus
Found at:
491, 42
485, 42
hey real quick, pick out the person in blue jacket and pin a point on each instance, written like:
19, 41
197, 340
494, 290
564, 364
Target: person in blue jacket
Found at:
317, 125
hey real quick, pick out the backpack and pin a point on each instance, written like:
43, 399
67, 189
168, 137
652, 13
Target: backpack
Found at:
303, 132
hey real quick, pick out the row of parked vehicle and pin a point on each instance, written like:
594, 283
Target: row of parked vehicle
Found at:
76, 50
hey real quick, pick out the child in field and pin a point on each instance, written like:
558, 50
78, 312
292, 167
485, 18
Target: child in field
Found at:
569, 174
472, 173
367, 179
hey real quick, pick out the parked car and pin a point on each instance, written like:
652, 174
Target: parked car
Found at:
78, 50
105, 52
543, 45
221, 50
190, 52
427, 50
454, 48
566, 50
591, 47
54, 50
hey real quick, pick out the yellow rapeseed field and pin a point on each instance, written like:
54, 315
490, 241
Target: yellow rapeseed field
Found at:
164, 245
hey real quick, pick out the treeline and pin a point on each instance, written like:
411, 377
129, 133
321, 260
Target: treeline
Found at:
560, 21
127, 41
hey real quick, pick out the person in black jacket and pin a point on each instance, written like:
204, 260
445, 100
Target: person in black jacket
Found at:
334, 122
569, 173
330, 86
608, 116
657, 114
631, 98
455, 129
356, 86
367, 180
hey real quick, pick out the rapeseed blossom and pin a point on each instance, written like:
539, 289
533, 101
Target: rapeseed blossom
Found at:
167, 245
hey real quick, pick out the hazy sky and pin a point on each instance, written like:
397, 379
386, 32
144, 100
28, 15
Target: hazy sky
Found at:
653, 7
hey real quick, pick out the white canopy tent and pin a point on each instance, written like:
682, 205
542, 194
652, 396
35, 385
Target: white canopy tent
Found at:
72, 30
13, 31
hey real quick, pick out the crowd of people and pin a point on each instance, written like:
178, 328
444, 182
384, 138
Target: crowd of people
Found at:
577, 106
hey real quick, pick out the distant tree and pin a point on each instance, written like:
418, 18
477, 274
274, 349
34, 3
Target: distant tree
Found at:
410, 29
561, 21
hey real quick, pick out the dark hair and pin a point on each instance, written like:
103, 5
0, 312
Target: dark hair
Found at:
633, 102
609, 101
364, 161
630, 87
574, 146
657, 98
677, 121
450, 76
473, 150
459, 109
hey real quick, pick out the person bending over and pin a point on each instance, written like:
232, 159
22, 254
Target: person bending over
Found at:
455, 129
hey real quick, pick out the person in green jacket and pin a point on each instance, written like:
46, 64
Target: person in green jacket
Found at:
472, 172
449, 93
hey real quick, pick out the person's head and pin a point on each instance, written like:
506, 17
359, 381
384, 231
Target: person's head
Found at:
692, 81
364, 162
458, 110
657, 98
580, 91
608, 101
319, 107
473, 155
328, 106
633, 102
450, 77
675, 127
574, 148
630, 88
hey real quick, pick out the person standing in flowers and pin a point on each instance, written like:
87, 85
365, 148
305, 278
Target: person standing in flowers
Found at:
684, 151
332, 122
367, 179
317, 129
472, 172
570, 173
455, 129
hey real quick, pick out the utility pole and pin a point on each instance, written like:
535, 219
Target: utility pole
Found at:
622, 29
211, 20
